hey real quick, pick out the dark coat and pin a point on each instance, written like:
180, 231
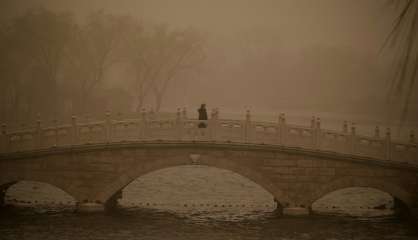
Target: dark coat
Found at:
203, 115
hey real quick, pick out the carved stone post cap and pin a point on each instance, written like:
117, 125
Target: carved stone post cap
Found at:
345, 126
248, 115
377, 131
388, 132
353, 128
178, 113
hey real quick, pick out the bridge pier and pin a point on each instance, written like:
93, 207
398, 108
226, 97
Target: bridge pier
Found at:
113, 201
296, 211
90, 207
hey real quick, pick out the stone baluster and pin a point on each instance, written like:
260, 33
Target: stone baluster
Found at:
377, 132
412, 137
388, 144
313, 122
283, 128
74, 130
247, 127
184, 113
108, 127
345, 127
38, 143
178, 115
144, 123
353, 138
55, 124
317, 134
179, 124
4, 140
213, 125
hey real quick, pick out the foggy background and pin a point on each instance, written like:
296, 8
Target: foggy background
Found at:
302, 57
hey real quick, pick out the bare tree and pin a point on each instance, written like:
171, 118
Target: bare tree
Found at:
140, 56
93, 50
404, 38
34, 42
175, 51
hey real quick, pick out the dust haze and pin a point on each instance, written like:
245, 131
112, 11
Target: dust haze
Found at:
303, 57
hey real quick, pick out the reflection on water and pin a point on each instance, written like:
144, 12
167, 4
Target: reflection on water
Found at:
150, 224
191, 202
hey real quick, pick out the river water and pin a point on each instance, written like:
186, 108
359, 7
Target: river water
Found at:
198, 202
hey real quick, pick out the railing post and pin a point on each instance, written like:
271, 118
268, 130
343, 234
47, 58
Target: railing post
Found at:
283, 129
179, 124
108, 127
55, 124
388, 144
4, 140
184, 114
318, 133
247, 127
345, 127
412, 137
144, 123
313, 122
377, 132
353, 138
279, 130
213, 125
38, 143
74, 130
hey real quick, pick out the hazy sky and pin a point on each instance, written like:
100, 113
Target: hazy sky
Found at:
360, 23
303, 54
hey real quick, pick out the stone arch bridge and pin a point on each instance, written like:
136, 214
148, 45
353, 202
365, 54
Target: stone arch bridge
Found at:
94, 161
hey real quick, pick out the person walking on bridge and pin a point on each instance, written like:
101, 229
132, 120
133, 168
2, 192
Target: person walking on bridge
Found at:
203, 115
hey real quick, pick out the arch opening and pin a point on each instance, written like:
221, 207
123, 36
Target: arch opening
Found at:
191, 189
37, 196
364, 202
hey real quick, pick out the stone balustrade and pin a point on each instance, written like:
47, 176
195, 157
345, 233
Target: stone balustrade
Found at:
148, 128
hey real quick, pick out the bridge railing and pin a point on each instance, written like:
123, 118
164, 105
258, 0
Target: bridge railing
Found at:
181, 128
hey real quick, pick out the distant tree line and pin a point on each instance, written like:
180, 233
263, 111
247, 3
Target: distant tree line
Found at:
53, 66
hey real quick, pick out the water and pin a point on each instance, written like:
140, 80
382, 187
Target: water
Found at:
149, 224
198, 202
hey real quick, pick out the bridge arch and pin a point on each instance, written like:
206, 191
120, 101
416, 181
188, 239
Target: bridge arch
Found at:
6, 184
348, 182
114, 189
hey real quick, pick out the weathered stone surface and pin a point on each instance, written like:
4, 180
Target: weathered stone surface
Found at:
295, 211
90, 207
93, 176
